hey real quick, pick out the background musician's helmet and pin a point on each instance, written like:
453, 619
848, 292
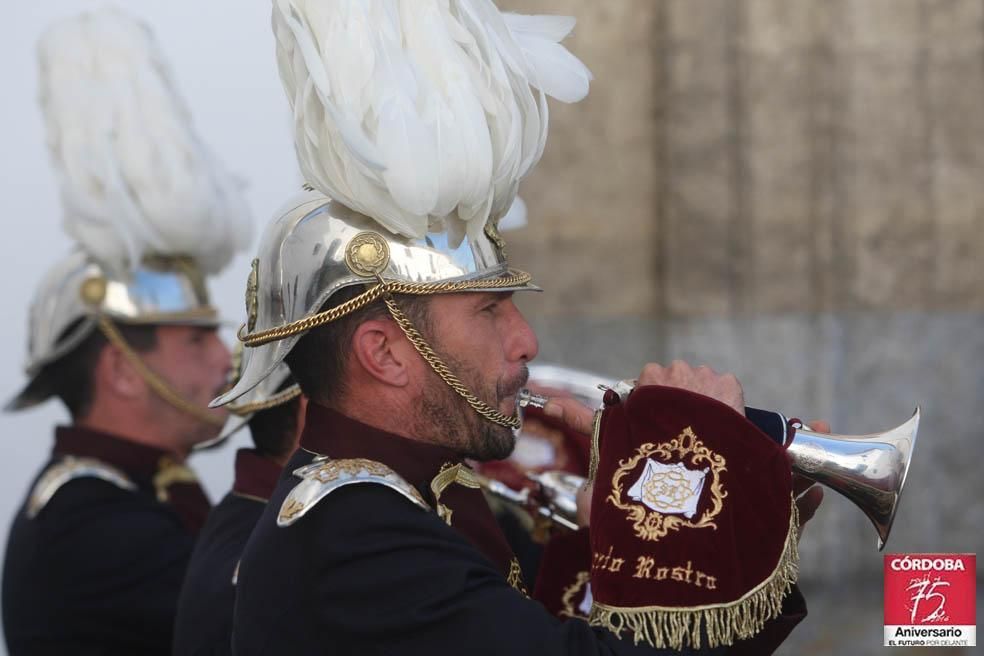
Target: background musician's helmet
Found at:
274, 390
410, 166
77, 292
151, 211
277, 389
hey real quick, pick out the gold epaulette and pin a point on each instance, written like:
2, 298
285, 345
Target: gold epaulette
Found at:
324, 475
68, 469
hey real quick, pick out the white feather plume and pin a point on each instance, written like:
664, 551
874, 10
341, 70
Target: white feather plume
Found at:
135, 177
423, 114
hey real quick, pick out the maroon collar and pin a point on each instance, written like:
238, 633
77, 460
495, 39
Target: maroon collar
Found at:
142, 464
256, 475
138, 461
329, 432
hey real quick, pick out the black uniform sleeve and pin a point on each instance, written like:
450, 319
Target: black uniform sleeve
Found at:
398, 580
116, 562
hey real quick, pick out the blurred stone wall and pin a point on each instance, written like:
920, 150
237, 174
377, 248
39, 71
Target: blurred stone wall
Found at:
792, 190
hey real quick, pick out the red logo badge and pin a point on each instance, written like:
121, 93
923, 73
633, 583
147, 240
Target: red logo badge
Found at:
930, 600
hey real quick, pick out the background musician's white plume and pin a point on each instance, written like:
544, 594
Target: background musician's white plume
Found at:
422, 113
135, 177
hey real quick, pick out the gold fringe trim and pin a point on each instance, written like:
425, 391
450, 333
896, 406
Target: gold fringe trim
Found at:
677, 628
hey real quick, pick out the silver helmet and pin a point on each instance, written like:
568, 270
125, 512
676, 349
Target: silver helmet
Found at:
77, 294
276, 389
318, 246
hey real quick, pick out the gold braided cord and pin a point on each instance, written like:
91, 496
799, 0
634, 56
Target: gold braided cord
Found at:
514, 279
156, 383
262, 337
169, 473
442, 370
243, 409
459, 473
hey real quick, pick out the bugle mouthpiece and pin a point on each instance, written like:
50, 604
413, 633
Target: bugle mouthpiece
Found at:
527, 398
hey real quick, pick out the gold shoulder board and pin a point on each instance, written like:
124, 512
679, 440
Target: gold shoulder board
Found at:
323, 476
68, 469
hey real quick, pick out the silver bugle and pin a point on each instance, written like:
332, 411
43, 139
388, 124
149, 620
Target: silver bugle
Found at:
869, 470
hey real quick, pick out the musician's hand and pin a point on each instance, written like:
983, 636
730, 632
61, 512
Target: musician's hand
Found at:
702, 380
819, 426
808, 494
571, 412
584, 505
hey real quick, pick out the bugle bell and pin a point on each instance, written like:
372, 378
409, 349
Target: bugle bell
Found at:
869, 470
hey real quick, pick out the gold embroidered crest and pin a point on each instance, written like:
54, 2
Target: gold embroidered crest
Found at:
666, 495
367, 254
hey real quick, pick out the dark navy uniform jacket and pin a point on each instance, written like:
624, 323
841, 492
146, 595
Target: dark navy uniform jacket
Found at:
366, 570
96, 556
204, 621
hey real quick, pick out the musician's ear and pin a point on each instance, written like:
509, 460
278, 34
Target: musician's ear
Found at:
114, 375
381, 352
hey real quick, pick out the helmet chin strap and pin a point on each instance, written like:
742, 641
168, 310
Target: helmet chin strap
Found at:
156, 383
441, 369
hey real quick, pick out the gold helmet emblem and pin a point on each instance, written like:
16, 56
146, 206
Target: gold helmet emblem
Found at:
367, 254
93, 290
